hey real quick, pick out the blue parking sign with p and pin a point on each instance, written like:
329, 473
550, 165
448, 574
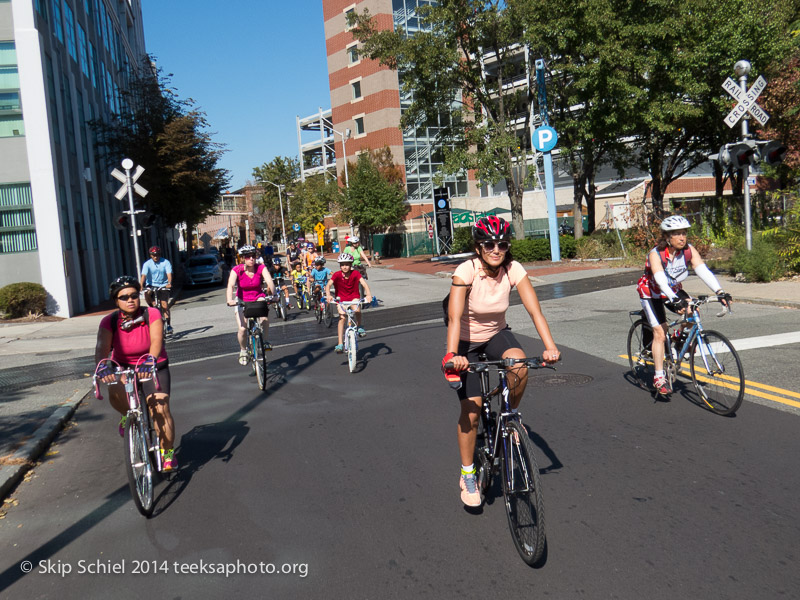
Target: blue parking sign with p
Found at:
544, 138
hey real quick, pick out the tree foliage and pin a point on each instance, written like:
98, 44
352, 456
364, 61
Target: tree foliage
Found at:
281, 171
375, 199
482, 120
170, 139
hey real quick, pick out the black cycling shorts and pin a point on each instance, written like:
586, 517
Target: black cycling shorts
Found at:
654, 309
149, 386
493, 349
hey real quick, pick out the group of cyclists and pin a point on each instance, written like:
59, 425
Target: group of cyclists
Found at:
478, 302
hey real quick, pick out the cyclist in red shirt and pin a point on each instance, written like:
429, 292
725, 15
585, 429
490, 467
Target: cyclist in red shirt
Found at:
344, 284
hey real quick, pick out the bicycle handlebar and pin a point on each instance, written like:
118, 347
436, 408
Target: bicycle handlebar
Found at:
146, 364
705, 299
535, 362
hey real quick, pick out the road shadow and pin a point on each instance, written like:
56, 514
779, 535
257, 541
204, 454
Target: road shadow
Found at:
202, 445
370, 352
178, 335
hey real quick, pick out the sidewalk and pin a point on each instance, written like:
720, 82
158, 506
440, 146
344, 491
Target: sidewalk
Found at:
29, 419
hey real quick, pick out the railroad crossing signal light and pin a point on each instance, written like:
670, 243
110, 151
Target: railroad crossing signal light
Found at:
741, 154
148, 219
122, 221
772, 152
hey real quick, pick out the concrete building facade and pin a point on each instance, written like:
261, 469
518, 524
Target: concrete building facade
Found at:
63, 63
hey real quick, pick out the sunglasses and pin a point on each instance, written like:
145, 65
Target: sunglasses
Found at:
489, 246
126, 297
246, 256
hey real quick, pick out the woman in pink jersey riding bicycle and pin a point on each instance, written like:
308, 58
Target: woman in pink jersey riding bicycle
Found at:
249, 280
128, 333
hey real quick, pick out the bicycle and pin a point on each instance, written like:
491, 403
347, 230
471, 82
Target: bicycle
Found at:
714, 365
142, 443
281, 308
157, 295
503, 448
256, 346
322, 310
301, 295
350, 338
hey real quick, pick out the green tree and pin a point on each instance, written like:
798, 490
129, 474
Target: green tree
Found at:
375, 200
170, 139
583, 46
481, 115
280, 171
317, 196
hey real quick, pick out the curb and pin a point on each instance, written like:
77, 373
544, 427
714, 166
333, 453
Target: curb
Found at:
40, 440
779, 303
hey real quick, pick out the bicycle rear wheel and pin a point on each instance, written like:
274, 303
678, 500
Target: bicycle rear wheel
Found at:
352, 348
260, 360
720, 378
138, 465
523, 496
640, 355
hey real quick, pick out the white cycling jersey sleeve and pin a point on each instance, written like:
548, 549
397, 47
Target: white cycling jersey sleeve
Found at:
663, 283
704, 273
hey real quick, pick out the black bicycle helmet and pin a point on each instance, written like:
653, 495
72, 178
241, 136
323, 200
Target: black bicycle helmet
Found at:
120, 283
320, 261
491, 228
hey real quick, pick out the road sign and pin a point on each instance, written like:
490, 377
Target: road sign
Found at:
544, 138
746, 101
319, 228
296, 226
123, 179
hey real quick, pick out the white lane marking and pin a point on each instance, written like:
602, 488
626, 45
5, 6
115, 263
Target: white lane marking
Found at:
765, 341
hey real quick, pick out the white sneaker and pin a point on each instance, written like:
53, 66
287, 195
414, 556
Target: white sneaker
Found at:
243, 357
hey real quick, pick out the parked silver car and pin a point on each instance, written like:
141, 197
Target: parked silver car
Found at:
204, 268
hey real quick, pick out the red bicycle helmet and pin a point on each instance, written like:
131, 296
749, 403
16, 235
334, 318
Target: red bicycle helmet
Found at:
154, 250
491, 228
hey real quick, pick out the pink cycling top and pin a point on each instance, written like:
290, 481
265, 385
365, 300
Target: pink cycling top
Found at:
128, 346
249, 289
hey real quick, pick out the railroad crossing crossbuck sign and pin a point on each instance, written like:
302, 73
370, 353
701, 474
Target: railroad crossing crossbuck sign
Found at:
746, 101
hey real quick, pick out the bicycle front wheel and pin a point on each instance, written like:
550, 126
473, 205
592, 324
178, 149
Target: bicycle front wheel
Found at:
717, 372
522, 490
352, 348
640, 355
138, 465
327, 316
260, 360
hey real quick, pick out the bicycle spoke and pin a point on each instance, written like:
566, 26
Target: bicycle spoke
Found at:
717, 372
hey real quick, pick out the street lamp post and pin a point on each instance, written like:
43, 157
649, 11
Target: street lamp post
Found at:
345, 136
280, 204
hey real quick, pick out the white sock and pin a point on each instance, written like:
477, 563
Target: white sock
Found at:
659, 373
466, 470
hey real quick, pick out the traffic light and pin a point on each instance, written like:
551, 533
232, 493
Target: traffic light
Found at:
772, 152
147, 220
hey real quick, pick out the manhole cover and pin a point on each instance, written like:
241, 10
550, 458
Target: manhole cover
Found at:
554, 379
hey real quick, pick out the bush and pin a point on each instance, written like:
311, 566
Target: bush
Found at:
462, 240
539, 249
762, 263
20, 299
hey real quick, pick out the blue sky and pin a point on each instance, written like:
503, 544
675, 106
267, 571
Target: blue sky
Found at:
251, 66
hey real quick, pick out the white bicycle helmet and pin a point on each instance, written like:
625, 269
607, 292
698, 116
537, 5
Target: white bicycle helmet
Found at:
674, 223
345, 258
353, 240
247, 249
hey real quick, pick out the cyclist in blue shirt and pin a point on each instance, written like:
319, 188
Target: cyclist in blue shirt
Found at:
320, 275
157, 273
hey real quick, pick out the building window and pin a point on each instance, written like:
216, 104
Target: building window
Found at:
83, 50
351, 10
41, 8
57, 27
359, 125
11, 124
352, 54
356, 87
69, 24
17, 231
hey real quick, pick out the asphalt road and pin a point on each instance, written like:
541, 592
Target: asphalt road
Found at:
350, 481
